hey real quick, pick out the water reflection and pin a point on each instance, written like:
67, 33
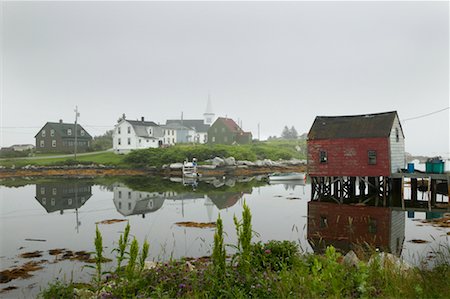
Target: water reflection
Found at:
348, 226
55, 196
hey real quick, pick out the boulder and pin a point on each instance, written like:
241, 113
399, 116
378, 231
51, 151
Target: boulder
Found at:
218, 161
206, 167
245, 163
230, 161
351, 259
176, 166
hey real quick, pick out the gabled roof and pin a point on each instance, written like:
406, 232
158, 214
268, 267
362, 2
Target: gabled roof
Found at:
197, 124
141, 127
176, 126
61, 129
230, 124
353, 126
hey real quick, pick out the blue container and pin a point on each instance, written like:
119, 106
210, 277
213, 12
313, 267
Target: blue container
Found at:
410, 167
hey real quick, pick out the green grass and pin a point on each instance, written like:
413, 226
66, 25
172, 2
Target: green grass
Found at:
107, 158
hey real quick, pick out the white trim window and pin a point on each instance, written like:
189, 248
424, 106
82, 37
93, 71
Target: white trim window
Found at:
43, 133
69, 132
53, 143
52, 132
42, 143
82, 133
129, 130
129, 141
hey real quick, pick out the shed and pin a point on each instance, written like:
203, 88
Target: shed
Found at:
356, 145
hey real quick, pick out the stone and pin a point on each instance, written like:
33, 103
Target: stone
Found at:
230, 161
150, 265
218, 161
351, 259
176, 166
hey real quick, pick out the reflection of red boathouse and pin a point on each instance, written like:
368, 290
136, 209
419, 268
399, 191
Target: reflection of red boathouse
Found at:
343, 226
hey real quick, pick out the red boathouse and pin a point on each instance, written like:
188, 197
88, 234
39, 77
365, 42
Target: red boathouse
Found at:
346, 151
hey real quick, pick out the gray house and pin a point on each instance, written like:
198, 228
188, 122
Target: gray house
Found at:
60, 137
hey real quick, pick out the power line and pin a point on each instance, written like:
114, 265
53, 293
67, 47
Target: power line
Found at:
425, 115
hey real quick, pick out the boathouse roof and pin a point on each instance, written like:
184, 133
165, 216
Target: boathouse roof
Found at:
353, 126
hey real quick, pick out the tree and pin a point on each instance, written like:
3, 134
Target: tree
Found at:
293, 133
103, 142
286, 133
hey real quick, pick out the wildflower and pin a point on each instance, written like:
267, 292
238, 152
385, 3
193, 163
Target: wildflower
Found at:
182, 286
267, 251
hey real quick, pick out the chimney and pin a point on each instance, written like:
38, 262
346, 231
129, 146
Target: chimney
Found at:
60, 121
142, 118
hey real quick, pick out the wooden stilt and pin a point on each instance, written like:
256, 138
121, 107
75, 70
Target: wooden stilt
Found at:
413, 190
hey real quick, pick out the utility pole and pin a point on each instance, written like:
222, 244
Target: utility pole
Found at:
259, 139
76, 141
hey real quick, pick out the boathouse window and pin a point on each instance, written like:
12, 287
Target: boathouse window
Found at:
323, 157
323, 221
372, 155
397, 135
372, 226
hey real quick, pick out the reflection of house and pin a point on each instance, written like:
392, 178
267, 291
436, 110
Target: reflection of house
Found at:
59, 197
129, 202
344, 226
60, 137
226, 131
226, 199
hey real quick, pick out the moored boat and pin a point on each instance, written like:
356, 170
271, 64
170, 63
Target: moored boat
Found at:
287, 176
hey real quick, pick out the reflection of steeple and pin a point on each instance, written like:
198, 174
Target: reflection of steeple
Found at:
209, 208
209, 114
345, 226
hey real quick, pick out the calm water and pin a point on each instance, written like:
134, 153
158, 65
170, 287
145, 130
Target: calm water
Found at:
63, 214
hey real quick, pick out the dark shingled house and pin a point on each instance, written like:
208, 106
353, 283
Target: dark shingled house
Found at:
60, 137
226, 131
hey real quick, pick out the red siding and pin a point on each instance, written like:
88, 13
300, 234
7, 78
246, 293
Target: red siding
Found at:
349, 157
351, 224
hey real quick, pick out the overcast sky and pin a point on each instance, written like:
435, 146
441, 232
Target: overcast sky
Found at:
271, 63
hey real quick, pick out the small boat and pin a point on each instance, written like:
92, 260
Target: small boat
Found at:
287, 176
190, 169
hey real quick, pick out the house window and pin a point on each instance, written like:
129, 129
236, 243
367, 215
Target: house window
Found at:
397, 135
372, 155
129, 194
118, 130
120, 194
69, 201
82, 133
42, 144
225, 139
69, 132
139, 141
52, 201
150, 131
129, 141
173, 140
120, 205
43, 133
42, 190
323, 157
52, 132
150, 204
119, 141
54, 191
44, 201
53, 143
129, 206
129, 130
213, 139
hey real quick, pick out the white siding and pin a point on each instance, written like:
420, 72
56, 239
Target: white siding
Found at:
397, 236
124, 147
397, 147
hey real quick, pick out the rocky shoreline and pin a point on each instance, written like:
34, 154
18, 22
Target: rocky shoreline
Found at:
213, 167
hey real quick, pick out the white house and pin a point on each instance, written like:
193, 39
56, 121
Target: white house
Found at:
177, 133
134, 134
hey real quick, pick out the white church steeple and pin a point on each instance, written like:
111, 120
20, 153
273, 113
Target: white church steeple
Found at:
208, 116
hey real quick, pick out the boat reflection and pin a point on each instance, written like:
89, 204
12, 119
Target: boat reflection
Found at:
347, 227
